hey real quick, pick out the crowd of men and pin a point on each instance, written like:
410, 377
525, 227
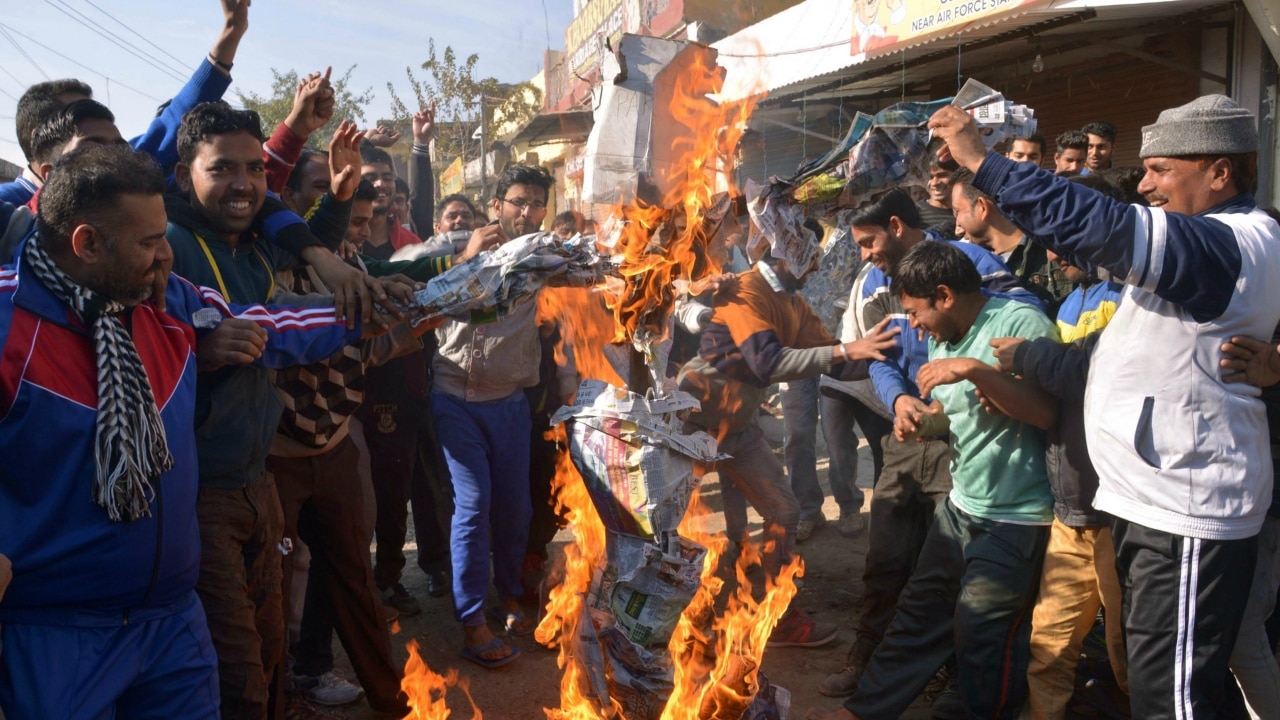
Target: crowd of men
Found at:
216, 395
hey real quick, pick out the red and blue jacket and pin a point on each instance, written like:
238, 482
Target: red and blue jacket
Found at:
71, 564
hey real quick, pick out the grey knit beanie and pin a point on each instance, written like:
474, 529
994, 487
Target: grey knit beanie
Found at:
1208, 125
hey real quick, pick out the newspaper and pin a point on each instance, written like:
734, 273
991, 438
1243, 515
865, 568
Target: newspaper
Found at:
780, 222
998, 119
634, 457
646, 587
496, 282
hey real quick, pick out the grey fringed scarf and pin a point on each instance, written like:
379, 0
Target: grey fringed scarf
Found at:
130, 449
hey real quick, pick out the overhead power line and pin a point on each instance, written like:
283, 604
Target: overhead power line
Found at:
181, 63
115, 40
24, 54
77, 63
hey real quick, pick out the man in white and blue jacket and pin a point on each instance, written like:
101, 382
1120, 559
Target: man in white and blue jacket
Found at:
1183, 458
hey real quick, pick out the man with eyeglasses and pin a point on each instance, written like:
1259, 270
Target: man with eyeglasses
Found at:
482, 420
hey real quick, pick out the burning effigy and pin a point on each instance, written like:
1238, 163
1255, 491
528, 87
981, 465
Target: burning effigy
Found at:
652, 619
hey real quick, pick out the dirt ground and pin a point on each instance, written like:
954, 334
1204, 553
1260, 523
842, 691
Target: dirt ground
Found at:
832, 593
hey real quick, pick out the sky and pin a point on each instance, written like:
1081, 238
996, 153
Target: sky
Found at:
381, 39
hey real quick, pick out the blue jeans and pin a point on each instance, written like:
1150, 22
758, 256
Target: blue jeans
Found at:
486, 445
799, 444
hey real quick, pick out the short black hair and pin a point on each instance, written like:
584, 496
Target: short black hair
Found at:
1125, 179
568, 217
523, 175
86, 185
1073, 140
402, 187
365, 191
932, 263
210, 119
964, 178
50, 138
308, 156
1095, 181
1102, 129
1034, 138
452, 198
372, 155
39, 104
895, 203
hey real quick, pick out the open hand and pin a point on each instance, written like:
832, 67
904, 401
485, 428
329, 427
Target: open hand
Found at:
344, 161
1251, 361
872, 345
354, 292
943, 372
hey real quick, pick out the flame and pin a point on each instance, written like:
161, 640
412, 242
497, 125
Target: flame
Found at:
668, 242
716, 651
426, 689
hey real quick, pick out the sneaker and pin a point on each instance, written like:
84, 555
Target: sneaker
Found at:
438, 584
845, 682
400, 599
329, 689
797, 629
806, 527
851, 524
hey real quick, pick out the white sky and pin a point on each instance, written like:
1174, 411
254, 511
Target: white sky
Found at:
382, 38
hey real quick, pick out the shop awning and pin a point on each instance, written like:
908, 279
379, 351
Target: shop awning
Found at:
553, 127
812, 45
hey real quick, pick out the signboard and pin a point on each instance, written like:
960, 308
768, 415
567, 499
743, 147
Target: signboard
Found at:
451, 180
601, 20
880, 25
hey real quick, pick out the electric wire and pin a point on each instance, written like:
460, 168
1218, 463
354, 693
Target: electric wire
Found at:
24, 54
77, 63
127, 47
181, 63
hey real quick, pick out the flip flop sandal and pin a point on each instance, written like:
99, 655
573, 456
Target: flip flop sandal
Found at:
515, 623
475, 654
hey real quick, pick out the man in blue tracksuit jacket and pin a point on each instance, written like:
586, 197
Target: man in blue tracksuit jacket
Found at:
1182, 456
97, 516
915, 475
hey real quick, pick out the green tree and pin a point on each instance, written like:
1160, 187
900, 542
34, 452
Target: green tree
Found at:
452, 85
349, 104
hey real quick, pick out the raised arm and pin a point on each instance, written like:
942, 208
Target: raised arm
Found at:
422, 184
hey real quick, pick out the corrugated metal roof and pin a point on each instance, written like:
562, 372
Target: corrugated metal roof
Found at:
810, 43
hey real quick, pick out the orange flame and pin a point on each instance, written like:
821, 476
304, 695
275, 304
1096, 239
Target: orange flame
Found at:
426, 689
716, 652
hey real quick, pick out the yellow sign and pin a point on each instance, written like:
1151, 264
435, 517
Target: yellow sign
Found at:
884, 25
585, 38
451, 179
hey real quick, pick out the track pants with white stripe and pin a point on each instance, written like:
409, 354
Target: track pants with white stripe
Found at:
1183, 602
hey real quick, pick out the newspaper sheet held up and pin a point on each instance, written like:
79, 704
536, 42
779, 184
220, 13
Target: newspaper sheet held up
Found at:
634, 458
494, 283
